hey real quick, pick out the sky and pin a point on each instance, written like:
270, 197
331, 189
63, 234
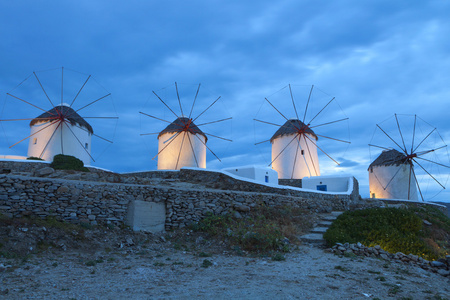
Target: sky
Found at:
376, 58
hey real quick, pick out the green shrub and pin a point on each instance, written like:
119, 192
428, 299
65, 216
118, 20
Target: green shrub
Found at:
395, 230
67, 162
34, 158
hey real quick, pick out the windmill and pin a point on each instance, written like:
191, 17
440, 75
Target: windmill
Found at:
182, 143
64, 128
295, 144
414, 159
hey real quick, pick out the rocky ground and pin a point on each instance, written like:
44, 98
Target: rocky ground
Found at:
37, 262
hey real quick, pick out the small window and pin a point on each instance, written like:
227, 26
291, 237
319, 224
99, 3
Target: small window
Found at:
322, 187
373, 195
86, 146
35, 141
266, 178
371, 170
303, 152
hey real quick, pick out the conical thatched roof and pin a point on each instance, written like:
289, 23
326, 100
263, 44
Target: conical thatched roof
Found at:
292, 126
69, 114
390, 158
179, 125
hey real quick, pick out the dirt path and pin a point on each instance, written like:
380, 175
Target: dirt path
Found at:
165, 273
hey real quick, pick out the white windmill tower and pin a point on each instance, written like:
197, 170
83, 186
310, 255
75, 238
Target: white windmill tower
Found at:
414, 160
295, 144
186, 146
182, 143
390, 177
60, 130
299, 158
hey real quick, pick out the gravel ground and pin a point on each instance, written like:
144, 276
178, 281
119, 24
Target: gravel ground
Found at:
162, 272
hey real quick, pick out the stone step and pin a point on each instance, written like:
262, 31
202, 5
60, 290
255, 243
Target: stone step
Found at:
313, 238
319, 230
324, 223
328, 218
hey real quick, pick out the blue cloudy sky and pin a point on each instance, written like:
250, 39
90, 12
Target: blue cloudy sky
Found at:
377, 58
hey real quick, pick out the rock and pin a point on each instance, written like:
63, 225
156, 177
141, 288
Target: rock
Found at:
62, 189
241, 208
44, 171
443, 272
426, 223
437, 264
237, 215
384, 256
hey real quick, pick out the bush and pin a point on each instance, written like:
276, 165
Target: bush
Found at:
67, 162
395, 230
34, 158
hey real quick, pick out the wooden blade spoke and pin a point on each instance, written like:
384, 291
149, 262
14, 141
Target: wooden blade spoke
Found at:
321, 110
262, 142
414, 133
214, 122
433, 162
30, 104
96, 135
79, 142
379, 147
181, 148
207, 147
209, 134
29, 119
283, 149
401, 135
423, 140
293, 102
93, 102
398, 170
48, 142
310, 156
76, 96
43, 89
179, 101
329, 123
113, 118
322, 150
429, 151
428, 173
417, 182
51, 123
295, 157
154, 117
193, 152
206, 109
177, 134
276, 109
327, 137
149, 133
62, 84
392, 139
165, 104
307, 103
195, 98
266, 122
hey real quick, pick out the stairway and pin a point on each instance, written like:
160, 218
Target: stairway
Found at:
315, 236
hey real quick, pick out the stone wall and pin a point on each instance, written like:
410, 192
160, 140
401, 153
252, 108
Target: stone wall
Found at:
107, 197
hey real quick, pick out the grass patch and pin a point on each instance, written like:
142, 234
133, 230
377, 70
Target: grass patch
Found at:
395, 230
263, 230
206, 263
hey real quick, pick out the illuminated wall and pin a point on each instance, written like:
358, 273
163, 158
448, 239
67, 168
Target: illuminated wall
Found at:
391, 182
55, 140
179, 152
298, 160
